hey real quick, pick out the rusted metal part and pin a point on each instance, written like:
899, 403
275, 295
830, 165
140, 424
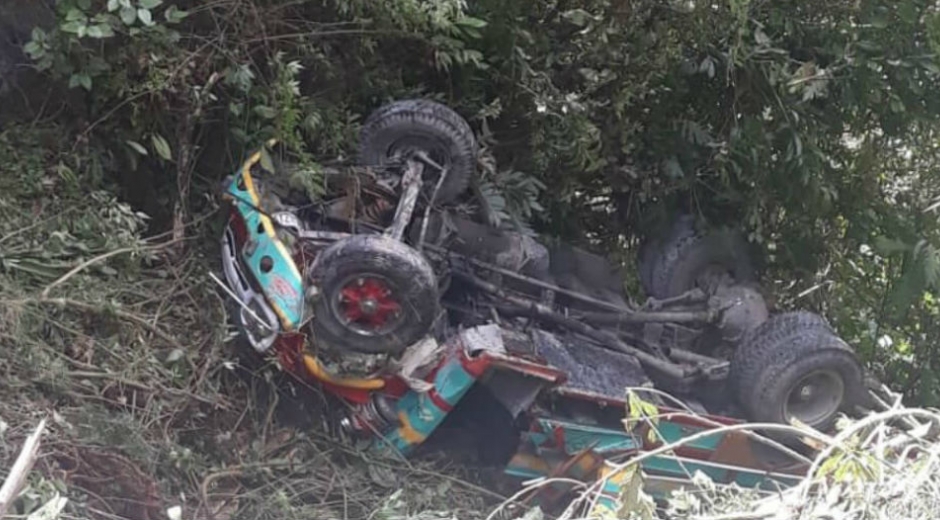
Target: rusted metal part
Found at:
695, 296
528, 368
323, 236
605, 338
411, 181
618, 314
622, 318
458, 258
713, 369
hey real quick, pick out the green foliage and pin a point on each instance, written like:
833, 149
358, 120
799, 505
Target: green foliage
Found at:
813, 126
639, 412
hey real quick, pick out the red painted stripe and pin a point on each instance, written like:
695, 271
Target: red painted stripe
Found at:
475, 366
439, 401
239, 227
694, 453
559, 434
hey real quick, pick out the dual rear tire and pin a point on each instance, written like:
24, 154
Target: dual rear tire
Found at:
786, 366
794, 366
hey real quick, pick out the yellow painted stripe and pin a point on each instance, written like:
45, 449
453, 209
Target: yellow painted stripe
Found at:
315, 368
255, 199
265, 221
249, 183
615, 477
407, 432
586, 462
524, 460
285, 320
287, 258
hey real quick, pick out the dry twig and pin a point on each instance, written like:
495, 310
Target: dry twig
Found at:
21, 468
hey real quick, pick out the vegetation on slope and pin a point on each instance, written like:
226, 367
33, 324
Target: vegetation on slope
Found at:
813, 126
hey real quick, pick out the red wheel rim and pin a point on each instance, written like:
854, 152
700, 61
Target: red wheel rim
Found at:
367, 304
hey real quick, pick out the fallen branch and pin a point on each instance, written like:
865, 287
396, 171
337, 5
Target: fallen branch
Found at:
104, 256
66, 302
21, 468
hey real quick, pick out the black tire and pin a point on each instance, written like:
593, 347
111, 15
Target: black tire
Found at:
686, 256
363, 265
435, 128
653, 249
769, 367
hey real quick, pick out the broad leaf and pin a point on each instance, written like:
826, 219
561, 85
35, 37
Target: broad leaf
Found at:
139, 148
162, 147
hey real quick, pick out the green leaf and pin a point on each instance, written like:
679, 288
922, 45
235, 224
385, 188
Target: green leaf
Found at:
174, 14
579, 17
469, 21
175, 355
879, 22
149, 4
265, 111
100, 31
239, 135
75, 27
907, 12
760, 37
74, 15
128, 15
38, 34
932, 267
887, 245
113, 5
897, 106
266, 162
707, 66
145, 17
80, 79
34, 50
673, 169
161, 146
139, 148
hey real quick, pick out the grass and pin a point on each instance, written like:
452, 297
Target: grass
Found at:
122, 344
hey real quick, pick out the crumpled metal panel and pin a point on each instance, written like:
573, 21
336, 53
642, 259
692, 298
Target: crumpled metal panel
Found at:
514, 390
485, 338
590, 369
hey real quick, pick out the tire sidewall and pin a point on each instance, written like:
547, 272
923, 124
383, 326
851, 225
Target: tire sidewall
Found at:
765, 368
410, 275
428, 120
723, 249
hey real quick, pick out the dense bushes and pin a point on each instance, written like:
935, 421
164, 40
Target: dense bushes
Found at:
812, 126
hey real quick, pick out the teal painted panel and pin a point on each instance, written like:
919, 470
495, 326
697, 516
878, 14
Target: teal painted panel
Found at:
451, 382
578, 437
673, 432
535, 439
282, 285
673, 467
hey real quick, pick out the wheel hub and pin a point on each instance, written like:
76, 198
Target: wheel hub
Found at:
815, 397
368, 305
806, 392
